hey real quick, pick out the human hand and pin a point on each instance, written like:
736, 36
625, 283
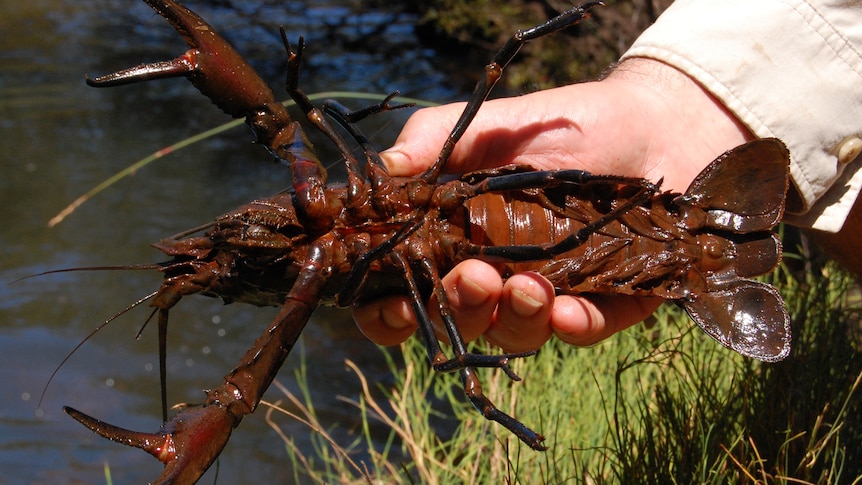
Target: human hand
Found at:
646, 119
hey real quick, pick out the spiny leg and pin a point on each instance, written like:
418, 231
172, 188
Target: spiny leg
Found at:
438, 359
494, 71
355, 116
473, 388
542, 179
348, 118
355, 178
426, 328
353, 284
464, 361
163, 355
462, 358
163, 344
374, 167
294, 64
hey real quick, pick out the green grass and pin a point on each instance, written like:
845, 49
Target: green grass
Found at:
664, 404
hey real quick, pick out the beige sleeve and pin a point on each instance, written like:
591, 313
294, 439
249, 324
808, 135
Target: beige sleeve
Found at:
790, 69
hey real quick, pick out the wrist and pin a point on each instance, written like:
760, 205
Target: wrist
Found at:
682, 121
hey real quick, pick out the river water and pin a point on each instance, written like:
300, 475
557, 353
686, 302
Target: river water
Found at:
59, 138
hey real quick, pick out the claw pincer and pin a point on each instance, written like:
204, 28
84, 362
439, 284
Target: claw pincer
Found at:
211, 64
178, 444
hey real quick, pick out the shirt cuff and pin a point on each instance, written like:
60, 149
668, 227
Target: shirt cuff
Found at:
786, 69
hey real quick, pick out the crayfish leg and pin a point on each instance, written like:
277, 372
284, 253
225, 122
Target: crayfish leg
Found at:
374, 167
473, 389
163, 375
464, 361
493, 73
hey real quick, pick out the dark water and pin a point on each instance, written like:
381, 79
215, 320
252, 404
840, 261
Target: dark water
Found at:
58, 138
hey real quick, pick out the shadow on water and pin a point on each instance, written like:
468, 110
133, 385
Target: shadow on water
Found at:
58, 138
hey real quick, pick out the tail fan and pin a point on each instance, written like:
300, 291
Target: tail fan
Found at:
744, 189
746, 316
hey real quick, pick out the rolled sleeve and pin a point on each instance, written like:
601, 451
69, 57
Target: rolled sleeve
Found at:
787, 69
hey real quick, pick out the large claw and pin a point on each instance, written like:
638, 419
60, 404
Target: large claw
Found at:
211, 64
190, 442
187, 445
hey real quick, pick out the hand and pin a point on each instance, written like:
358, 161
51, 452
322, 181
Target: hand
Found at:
646, 119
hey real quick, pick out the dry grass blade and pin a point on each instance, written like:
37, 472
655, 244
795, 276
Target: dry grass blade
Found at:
308, 419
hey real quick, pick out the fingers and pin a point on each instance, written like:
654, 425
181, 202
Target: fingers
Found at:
523, 314
385, 321
518, 316
514, 316
474, 289
585, 321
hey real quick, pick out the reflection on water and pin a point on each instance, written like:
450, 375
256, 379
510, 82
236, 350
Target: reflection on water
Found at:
59, 138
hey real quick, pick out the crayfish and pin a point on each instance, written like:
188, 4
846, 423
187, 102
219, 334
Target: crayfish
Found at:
338, 243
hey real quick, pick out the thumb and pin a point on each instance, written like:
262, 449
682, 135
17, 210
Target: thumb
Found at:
421, 139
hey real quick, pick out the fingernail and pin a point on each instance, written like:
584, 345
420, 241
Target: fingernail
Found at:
524, 305
471, 293
393, 319
393, 157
